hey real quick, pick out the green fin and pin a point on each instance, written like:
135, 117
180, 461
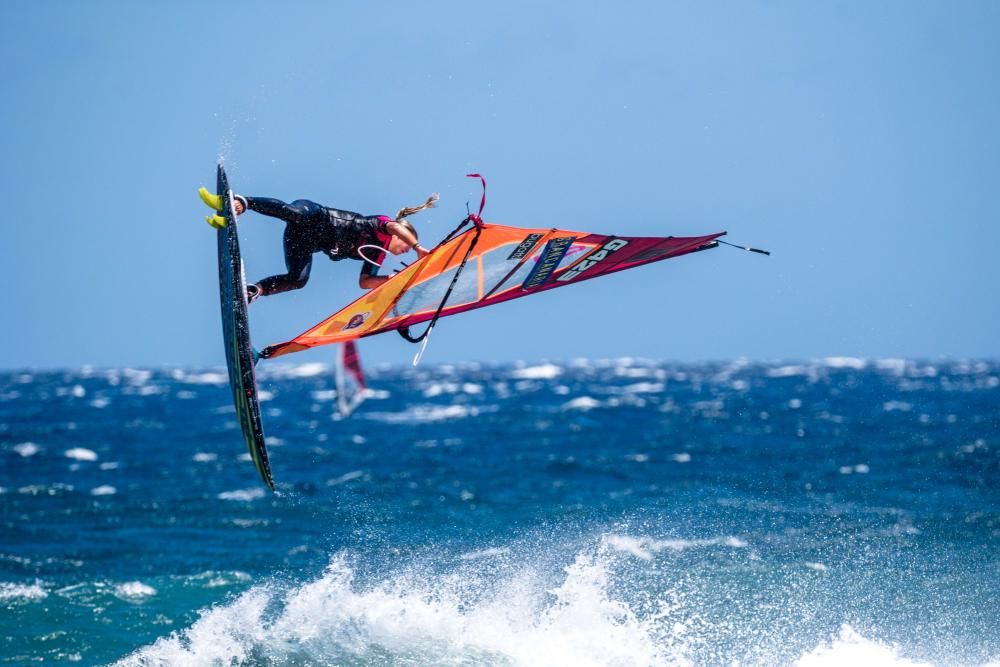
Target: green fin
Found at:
216, 221
212, 201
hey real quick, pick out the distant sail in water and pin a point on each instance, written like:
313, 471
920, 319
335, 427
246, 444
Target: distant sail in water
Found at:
350, 380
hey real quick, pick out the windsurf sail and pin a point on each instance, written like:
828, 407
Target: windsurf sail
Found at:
350, 380
484, 265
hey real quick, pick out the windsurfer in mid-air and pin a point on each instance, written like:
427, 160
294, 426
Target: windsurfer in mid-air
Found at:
312, 228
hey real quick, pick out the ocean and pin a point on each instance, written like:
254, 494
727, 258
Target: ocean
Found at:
593, 512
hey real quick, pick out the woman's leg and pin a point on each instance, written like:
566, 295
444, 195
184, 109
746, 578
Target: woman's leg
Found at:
298, 212
298, 261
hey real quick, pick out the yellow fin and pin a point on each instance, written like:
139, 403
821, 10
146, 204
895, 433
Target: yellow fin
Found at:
212, 201
216, 221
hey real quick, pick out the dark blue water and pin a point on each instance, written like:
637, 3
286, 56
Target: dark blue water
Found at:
622, 512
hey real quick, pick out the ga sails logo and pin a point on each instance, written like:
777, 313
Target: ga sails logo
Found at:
593, 258
356, 321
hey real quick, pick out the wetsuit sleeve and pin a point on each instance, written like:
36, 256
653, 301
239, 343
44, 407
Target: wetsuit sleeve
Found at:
368, 269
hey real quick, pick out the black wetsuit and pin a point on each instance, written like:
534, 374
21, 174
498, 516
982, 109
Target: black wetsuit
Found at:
312, 228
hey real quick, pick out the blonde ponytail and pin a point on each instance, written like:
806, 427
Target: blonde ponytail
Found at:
404, 212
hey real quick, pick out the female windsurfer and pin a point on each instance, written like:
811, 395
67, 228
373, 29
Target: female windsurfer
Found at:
312, 228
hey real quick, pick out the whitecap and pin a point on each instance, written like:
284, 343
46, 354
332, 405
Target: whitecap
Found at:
438, 388
582, 403
12, 592
27, 449
646, 547
787, 371
542, 372
845, 362
133, 591
682, 457
104, 490
643, 388
245, 495
430, 413
850, 648
80, 454
205, 378
577, 620
44, 489
346, 477
897, 366
205, 457
324, 395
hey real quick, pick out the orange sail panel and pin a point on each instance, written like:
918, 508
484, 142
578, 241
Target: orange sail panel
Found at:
506, 263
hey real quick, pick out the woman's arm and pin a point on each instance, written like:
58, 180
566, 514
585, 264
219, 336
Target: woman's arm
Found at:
371, 282
409, 239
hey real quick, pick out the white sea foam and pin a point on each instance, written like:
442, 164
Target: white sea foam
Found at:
13, 592
205, 457
103, 490
643, 388
582, 403
430, 413
417, 620
282, 371
646, 547
518, 617
896, 366
80, 454
542, 372
346, 477
134, 591
245, 495
324, 395
682, 457
850, 648
438, 388
204, 378
845, 362
45, 489
27, 449
787, 371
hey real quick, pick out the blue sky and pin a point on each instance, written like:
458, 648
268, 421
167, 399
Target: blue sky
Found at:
857, 141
